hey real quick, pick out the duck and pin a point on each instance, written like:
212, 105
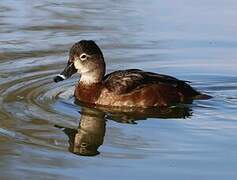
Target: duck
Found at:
122, 88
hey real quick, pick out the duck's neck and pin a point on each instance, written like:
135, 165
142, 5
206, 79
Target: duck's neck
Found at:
92, 77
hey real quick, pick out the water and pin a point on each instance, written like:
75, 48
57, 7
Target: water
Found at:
194, 41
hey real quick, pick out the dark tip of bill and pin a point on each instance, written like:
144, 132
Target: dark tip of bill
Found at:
58, 78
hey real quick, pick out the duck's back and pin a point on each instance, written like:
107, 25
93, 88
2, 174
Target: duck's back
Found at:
126, 81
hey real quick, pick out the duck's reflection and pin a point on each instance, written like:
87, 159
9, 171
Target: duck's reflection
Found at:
89, 136
86, 139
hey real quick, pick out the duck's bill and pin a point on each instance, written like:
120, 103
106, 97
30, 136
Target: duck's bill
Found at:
66, 73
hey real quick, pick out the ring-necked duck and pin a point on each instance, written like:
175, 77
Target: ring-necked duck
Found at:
132, 87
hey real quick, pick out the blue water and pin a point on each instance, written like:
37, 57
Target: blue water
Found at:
194, 41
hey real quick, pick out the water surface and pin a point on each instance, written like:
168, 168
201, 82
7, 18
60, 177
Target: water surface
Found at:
194, 41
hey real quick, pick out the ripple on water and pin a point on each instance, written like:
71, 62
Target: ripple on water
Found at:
28, 98
33, 94
39, 119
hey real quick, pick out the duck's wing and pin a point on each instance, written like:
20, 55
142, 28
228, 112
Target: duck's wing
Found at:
124, 81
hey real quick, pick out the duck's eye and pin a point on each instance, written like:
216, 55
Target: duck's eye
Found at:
83, 56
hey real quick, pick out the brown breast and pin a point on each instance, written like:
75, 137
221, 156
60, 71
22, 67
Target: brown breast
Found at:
88, 93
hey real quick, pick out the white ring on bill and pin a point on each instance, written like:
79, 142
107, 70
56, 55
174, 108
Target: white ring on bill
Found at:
62, 76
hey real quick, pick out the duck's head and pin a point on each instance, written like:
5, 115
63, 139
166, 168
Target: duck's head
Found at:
85, 58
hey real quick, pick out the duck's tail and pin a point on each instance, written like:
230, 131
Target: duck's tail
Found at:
192, 93
202, 97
